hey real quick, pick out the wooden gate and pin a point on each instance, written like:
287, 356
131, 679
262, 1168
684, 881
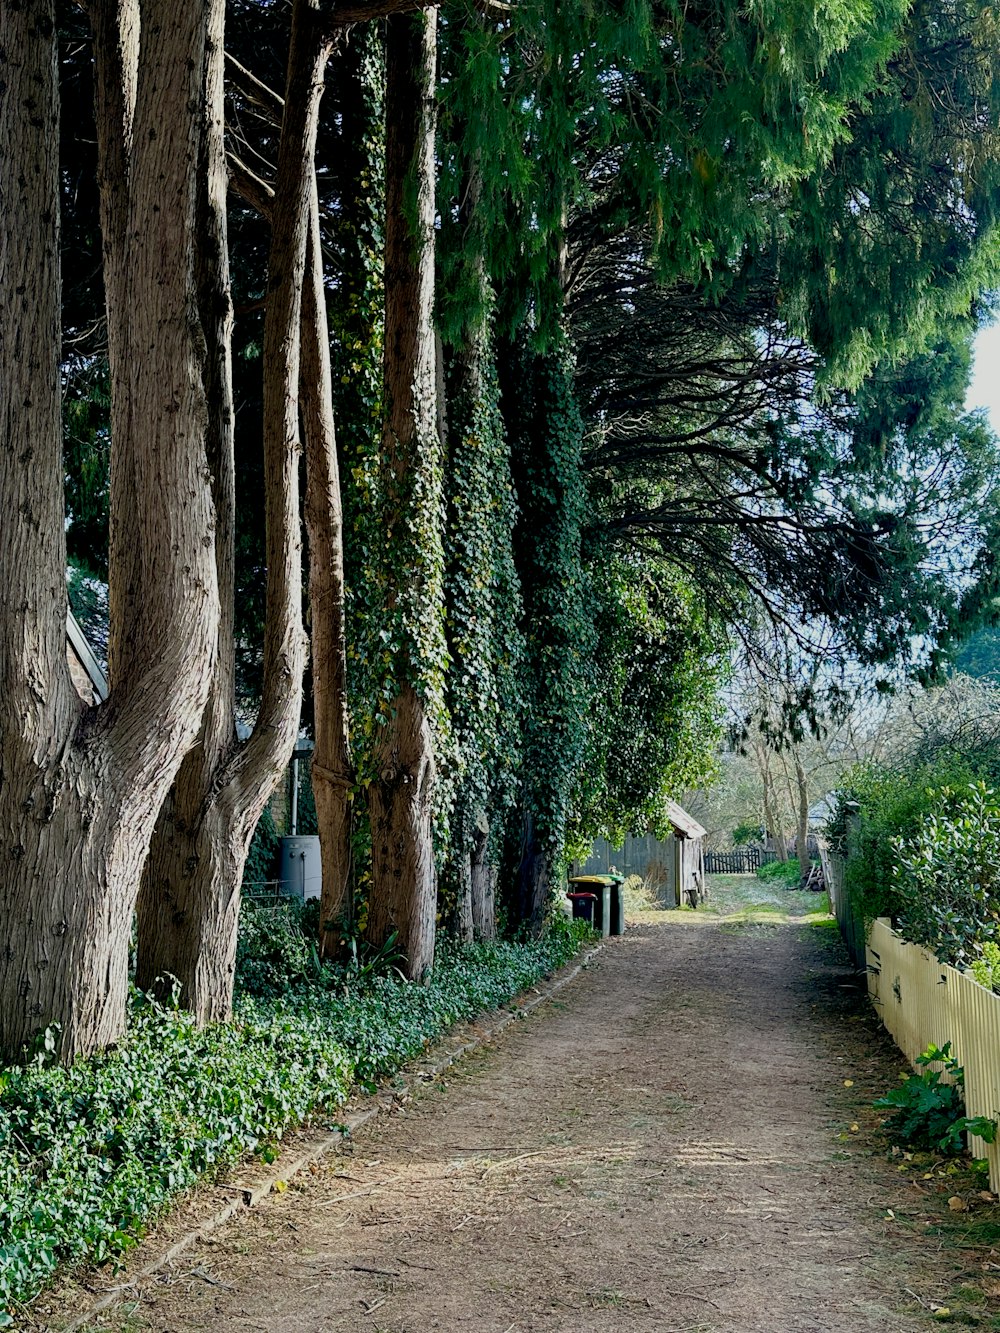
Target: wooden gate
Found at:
740, 861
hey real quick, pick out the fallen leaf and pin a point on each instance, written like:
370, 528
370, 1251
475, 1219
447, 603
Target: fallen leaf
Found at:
280, 1186
855, 1129
848, 1082
957, 1205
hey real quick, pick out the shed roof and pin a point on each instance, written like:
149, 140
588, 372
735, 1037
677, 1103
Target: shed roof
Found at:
684, 823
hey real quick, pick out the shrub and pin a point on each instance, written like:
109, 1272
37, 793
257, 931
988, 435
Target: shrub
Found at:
787, 872
929, 1114
875, 807
262, 860
986, 968
275, 949
946, 875
745, 835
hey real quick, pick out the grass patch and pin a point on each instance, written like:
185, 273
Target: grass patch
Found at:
747, 900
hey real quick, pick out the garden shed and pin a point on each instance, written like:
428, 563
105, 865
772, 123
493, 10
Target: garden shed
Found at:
674, 867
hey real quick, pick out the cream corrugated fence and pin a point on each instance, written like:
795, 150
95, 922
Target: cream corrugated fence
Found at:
921, 1001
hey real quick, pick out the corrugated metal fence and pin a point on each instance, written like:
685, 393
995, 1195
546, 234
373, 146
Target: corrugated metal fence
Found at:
921, 1001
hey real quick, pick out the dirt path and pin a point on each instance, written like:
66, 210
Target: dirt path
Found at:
667, 1146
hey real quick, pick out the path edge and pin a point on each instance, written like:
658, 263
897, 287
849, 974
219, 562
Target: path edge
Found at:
411, 1074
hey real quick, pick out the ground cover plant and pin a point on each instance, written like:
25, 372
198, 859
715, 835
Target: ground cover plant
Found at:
89, 1154
928, 1107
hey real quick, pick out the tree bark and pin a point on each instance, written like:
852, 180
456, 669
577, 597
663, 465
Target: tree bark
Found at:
189, 909
80, 789
404, 886
773, 831
186, 919
332, 771
802, 837
531, 894
483, 883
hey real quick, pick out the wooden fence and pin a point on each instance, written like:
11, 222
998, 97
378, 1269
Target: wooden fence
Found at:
852, 927
740, 861
921, 1001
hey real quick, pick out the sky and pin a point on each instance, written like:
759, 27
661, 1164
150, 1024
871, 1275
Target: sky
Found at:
984, 391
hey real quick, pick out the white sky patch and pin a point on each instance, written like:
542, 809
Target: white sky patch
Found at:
984, 391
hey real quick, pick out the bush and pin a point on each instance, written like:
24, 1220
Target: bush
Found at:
946, 875
986, 968
746, 835
89, 1154
876, 807
929, 1115
275, 949
781, 872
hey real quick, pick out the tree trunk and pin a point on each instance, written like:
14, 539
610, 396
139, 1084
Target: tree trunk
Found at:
81, 789
463, 924
332, 772
483, 883
404, 887
189, 907
531, 890
802, 837
773, 831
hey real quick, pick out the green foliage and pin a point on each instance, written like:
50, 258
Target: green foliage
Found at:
986, 968
89, 1155
483, 604
654, 718
946, 874
876, 807
745, 835
275, 947
627, 112
787, 872
560, 665
261, 867
88, 600
87, 455
928, 1114
979, 655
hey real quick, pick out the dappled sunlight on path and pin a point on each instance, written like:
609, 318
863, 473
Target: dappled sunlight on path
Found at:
663, 1147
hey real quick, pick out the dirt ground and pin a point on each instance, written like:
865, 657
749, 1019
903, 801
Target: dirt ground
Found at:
679, 1142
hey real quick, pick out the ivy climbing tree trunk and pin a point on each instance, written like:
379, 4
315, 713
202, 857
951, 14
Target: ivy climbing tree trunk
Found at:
189, 906
547, 435
400, 797
81, 788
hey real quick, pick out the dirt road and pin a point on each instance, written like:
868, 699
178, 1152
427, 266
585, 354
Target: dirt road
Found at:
668, 1146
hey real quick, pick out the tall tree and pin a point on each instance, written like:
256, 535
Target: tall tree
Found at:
189, 905
401, 794
81, 788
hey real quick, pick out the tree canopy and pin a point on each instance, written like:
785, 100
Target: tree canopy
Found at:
583, 343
